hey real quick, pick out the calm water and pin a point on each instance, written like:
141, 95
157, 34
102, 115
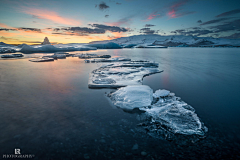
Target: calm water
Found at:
46, 109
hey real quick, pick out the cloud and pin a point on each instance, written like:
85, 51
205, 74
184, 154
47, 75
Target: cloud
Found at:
50, 15
227, 26
30, 29
8, 39
110, 28
194, 32
106, 16
233, 36
229, 13
175, 9
148, 31
199, 21
103, 6
4, 25
153, 15
149, 25
214, 21
19, 29
85, 31
126, 20
118, 3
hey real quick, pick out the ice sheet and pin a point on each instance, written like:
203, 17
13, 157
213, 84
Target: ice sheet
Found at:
119, 74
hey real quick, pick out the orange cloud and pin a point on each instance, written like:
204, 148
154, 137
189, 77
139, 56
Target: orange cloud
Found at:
50, 15
4, 26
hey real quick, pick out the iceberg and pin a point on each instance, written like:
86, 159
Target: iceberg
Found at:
120, 74
45, 41
55, 48
131, 97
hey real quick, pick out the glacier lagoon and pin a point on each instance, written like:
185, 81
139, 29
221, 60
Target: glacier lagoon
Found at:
48, 109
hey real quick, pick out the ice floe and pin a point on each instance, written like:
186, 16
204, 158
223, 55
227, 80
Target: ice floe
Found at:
107, 60
161, 93
44, 59
11, 55
88, 56
165, 109
119, 74
131, 97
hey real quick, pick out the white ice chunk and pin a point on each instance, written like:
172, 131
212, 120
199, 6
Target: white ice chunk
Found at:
170, 113
131, 97
161, 93
177, 117
45, 59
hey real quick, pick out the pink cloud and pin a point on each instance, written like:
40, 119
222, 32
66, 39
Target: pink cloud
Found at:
50, 15
174, 9
151, 16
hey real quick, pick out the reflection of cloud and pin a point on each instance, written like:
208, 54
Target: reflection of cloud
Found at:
229, 13
50, 15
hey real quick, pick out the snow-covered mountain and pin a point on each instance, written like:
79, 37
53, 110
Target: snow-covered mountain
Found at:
176, 40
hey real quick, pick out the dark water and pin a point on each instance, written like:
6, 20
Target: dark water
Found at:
46, 109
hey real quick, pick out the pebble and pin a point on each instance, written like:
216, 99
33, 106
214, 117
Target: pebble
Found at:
135, 147
143, 153
86, 156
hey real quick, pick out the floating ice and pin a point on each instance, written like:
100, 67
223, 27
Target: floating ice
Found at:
44, 59
166, 110
108, 60
176, 117
121, 74
131, 97
161, 93
87, 56
11, 55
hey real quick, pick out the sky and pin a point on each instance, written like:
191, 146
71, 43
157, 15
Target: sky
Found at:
83, 21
